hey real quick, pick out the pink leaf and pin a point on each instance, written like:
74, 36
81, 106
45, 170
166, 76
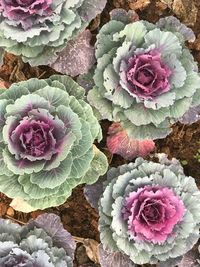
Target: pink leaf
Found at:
118, 142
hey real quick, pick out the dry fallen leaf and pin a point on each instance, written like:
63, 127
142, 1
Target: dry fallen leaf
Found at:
3, 209
10, 212
138, 4
91, 247
20, 205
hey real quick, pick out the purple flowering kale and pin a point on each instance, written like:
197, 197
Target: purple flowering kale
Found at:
147, 212
145, 78
39, 29
47, 135
41, 243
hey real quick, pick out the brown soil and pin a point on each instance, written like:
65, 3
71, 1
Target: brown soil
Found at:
76, 214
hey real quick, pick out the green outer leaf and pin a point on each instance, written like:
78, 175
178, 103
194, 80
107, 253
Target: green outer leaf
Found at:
95, 127
33, 191
103, 105
105, 41
81, 165
64, 151
162, 101
16, 166
54, 177
85, 141
192, 83
10, 186
98, 167
26, 103
71, 121
146, 132
3, 167
180, 107
166, 42
178, 73
54, 96
139, 115
15, 91
71, 87
3, 105
133, 32
33, 84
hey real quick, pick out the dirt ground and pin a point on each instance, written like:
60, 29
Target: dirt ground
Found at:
183, 143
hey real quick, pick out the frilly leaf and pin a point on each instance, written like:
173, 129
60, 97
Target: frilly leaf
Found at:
191, 116
122, 15
52, 225
91, 8
189, 259
114, 259
173, 24
98, 167
118, 142
77, 57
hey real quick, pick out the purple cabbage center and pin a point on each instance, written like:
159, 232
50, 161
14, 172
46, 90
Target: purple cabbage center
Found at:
147, 76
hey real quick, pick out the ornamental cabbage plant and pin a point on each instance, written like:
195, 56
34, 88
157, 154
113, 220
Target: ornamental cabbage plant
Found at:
41, 243
150, 211
47, 132
145, 77
38, 29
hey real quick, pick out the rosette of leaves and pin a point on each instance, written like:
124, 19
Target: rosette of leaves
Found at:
37, 30
42, 243
145, 77
150, 212
47, 134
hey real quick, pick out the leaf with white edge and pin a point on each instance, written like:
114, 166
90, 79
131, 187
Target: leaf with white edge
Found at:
11, 186
77, 57
55, 177
114, 259
133, 32
26, 103
143, 132
21, 166
71, 87
139, 115
166, 42
33, 190
99, 166
121, 97
103, 105
54, 96
161, 101
182, 105
178, 73
21, 205
15, 91
118, 142
81, 165
190, 87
